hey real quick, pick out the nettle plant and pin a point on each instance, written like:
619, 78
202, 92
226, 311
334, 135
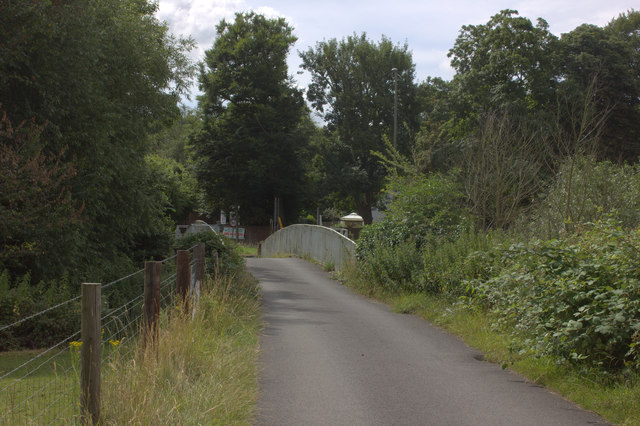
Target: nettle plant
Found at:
578, 298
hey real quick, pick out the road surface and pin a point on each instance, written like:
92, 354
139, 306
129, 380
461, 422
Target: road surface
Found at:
331, 357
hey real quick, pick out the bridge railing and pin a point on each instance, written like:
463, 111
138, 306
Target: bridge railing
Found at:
323, 245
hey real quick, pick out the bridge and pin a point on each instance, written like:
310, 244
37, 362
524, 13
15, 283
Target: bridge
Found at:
319, 243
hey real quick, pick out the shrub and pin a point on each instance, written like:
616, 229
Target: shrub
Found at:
575, 298
428, 209
394, 268
231, 262
423, 213
447, 266
586, 191
20, 299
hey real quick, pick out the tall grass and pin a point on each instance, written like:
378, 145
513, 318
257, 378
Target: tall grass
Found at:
204, 371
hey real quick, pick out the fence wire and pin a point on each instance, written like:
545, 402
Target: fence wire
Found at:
42, 386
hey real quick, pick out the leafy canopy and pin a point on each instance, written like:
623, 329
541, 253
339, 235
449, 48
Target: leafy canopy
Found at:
248, 149
353, 88
98, 73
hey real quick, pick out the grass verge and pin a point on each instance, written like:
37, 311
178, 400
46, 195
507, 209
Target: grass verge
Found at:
248, 249
615, 398
204, 371
205, 368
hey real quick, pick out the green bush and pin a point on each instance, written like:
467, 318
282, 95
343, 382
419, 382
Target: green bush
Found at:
449, 265
381, 234
429, 209
423, 213
577, 298
586, 190
231, 262
20, 299
394, 268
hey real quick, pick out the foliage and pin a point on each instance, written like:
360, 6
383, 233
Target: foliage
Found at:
231, 262
98, 72
215, 350
39, 216
175, 182
249, 149
172, 141
574, 298
395, 268
423, 213
585, 190
505, 63
448, 266
503, 167
353, 88
608, 56
425, 210
511, 64
20, 298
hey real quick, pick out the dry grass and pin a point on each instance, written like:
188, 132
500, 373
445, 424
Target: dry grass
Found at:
204, 371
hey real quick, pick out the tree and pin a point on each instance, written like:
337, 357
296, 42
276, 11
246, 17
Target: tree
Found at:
502, 169
39, 216
604, 64
98, 72
248, 149
353, 87
507, 63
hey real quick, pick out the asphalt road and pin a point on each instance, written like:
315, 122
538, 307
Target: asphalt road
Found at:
331, 357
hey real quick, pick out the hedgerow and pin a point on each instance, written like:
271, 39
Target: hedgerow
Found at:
576, 298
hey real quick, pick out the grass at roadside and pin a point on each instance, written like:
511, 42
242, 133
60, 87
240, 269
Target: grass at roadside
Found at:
617, 399
205, 370
204, 373
247, 249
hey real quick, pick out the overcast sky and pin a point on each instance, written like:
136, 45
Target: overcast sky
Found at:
429, 27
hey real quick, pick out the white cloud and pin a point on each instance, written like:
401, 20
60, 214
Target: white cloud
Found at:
429, 27
197, 18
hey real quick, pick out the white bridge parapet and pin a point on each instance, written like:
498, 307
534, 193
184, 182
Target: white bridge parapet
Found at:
322, 244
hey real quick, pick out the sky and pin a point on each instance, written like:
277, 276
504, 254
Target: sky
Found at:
428, 27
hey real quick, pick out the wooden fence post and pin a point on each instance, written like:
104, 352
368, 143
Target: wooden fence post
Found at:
183, 277
91, 353
152, 271
216, 259
198, 253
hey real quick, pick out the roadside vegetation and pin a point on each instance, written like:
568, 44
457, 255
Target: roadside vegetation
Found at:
205, 372
206, 368
511, 193
562, 310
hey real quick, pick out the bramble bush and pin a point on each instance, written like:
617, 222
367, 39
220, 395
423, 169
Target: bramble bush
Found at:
576, 298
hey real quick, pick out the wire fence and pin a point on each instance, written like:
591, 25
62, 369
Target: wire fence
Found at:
43, 386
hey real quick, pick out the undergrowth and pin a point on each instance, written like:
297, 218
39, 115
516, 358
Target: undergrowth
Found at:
205, 368
613, 395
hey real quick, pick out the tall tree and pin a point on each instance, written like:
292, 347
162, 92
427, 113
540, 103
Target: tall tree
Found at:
98, 72
353, 87
507, 63
604, 64
248, 147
